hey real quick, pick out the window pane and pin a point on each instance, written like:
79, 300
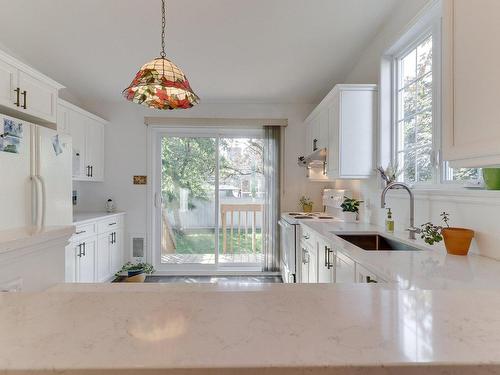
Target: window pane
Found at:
424, 129
424, 57
407, 161
462, 174
408, 68
424, 166
408, 101
408, 133
424, 92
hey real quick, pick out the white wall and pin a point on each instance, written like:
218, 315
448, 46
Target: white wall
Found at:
475, 210
126, 154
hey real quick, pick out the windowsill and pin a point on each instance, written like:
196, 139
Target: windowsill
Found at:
450, 193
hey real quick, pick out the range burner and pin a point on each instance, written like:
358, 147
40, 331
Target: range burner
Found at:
324, 217
303, 217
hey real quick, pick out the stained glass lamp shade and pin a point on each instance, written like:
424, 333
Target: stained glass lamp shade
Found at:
161, 84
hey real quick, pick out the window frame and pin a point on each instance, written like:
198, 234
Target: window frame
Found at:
426, 24
396, 68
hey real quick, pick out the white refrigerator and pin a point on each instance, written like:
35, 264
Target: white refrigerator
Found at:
35, 175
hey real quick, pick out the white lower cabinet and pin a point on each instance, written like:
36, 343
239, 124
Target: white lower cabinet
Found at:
345, 269
85, 257
96, 251
326, 262
365, 276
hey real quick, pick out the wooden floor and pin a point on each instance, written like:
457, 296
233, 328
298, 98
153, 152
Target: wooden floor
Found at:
246, 258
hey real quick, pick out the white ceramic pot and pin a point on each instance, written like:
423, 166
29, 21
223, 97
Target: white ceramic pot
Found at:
349, 217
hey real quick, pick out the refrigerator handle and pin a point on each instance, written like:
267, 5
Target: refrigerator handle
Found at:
38, 202
43, 202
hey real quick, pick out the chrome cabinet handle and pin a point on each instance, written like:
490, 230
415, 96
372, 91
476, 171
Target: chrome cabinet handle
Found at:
113, 223
326, 257
81, 231
18, 99
84, 248
79, 250
306, 236
328, 262
25, 95
91, 171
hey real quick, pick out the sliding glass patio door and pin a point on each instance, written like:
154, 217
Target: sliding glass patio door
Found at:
212, 190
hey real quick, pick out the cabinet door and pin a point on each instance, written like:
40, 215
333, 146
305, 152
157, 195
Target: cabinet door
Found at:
344, 269
365, 276
333, 139
76, 127
86, 261
325, 263
63, 120
313, 265
38, 98
94, 149
323, 128
471, 125
357, 123
103, 256
8, 83
70, 260
117, 251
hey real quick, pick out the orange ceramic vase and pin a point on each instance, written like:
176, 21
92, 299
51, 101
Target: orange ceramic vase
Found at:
457, 240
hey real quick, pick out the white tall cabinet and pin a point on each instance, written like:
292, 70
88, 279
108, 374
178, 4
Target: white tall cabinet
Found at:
471, 78
87, 131
344, 123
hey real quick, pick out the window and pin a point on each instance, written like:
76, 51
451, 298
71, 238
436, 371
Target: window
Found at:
414, 128
417, 126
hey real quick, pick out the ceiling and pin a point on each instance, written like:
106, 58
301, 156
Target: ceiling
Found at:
255, 51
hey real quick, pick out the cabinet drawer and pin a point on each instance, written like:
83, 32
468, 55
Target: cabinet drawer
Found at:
84, 230
111, 223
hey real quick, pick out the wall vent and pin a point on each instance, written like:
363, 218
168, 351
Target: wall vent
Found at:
138, 248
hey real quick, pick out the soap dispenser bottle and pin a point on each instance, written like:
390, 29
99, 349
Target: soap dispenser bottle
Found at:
389, 222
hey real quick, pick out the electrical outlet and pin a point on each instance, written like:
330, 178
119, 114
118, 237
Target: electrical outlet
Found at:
15, 285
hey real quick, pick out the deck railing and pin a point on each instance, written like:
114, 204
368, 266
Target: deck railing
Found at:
242, 212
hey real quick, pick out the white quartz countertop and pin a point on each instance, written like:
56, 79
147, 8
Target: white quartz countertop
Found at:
80, 217
266, 329
13, 239
431, 268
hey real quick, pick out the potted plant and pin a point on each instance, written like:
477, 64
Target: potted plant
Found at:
456, 240
306, 204
136, 272
350, 209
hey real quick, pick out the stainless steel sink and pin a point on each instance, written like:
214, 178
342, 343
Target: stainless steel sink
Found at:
374, 242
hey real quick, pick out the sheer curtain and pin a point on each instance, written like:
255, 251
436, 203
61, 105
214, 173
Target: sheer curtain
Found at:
272, 163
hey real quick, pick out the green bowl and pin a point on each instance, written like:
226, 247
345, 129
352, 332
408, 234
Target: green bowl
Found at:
491, 178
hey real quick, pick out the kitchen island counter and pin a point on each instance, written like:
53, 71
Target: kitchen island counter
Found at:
266, 329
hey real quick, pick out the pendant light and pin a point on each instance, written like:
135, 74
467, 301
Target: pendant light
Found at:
160, 83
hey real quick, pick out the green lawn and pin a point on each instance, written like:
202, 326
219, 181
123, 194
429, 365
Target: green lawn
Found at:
203, 242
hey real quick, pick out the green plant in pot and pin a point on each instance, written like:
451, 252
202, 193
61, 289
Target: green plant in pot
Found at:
306, 204
136, 272
350, 209
491, 177
456, 240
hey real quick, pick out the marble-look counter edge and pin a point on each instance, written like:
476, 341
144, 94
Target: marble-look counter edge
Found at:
86, 217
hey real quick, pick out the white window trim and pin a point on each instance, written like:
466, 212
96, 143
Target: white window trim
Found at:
428, 21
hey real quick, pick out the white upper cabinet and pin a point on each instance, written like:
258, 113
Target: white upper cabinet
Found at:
471, 78
345, 122
26, 93
87, 132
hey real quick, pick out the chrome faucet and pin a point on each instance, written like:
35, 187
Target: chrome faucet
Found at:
391, 185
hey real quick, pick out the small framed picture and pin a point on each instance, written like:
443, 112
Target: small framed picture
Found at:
140, 180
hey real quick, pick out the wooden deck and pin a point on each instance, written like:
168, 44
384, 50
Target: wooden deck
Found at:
210, 258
